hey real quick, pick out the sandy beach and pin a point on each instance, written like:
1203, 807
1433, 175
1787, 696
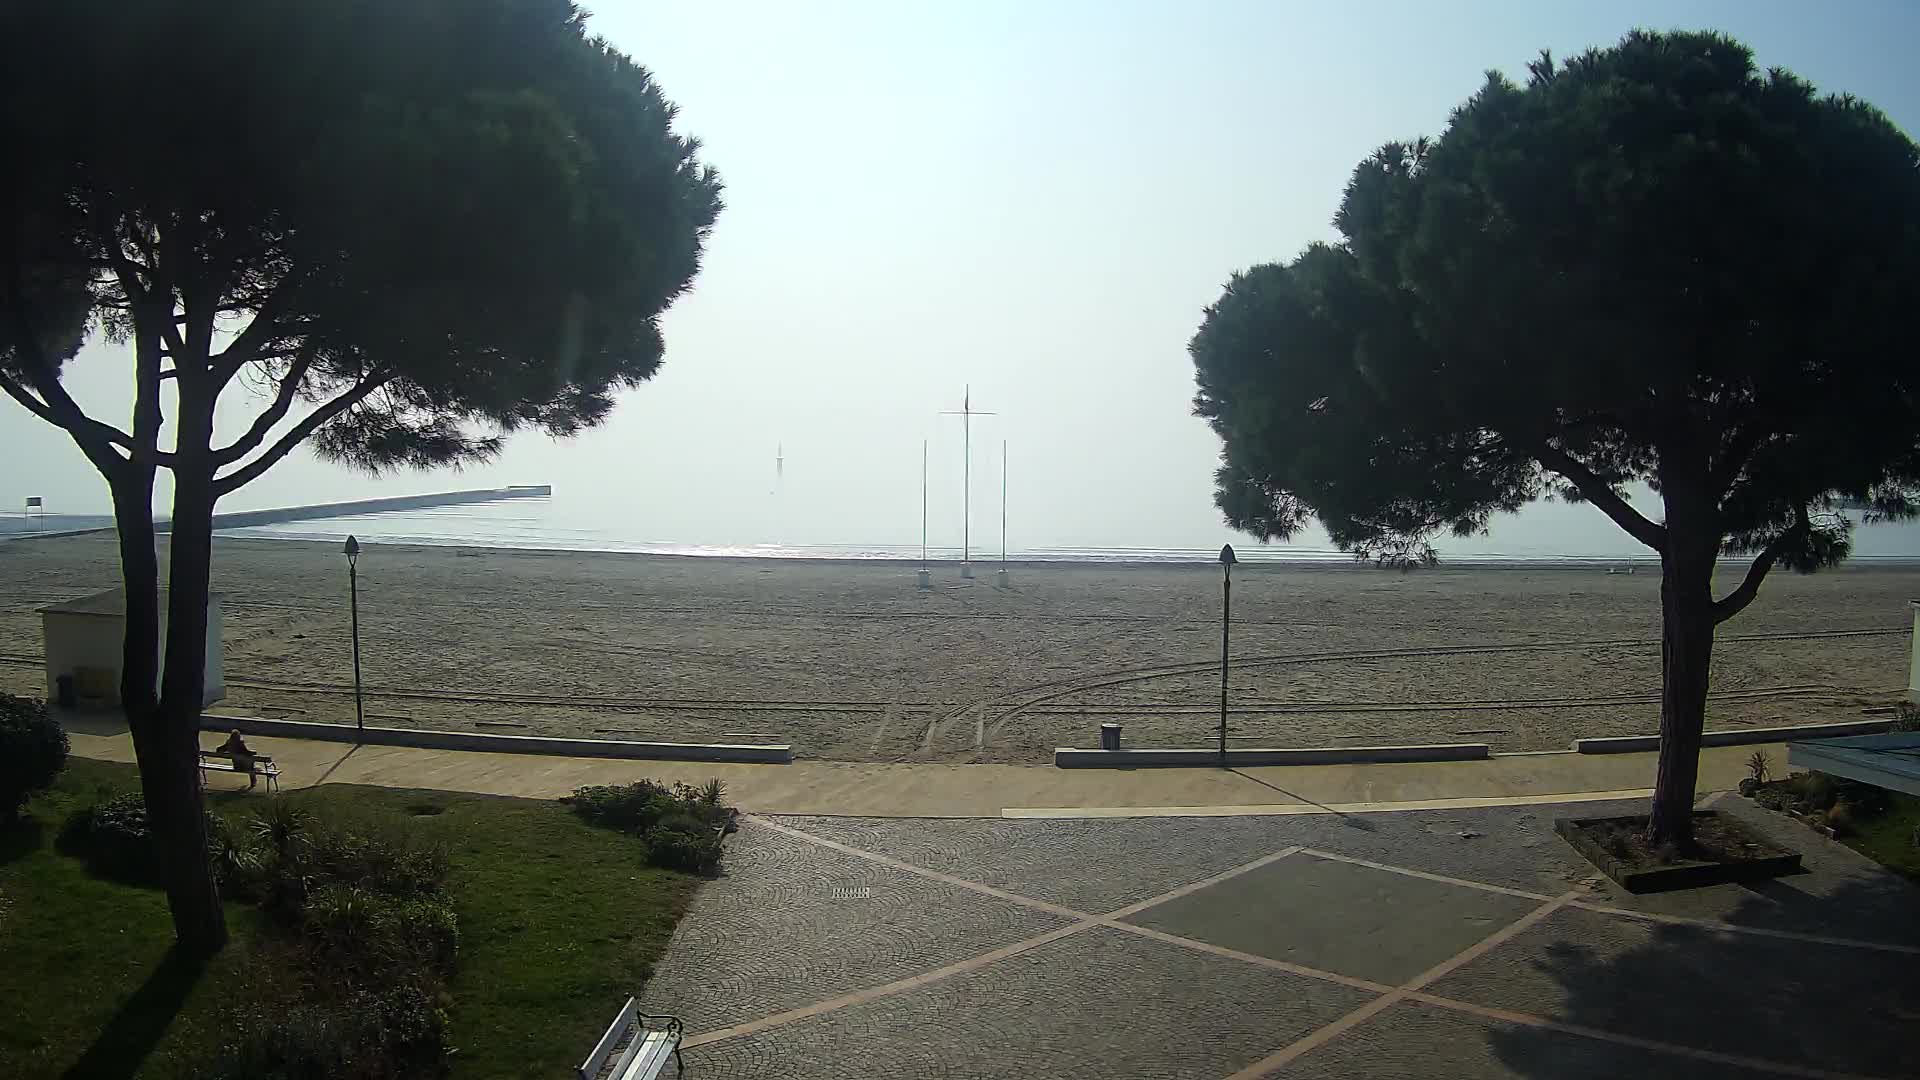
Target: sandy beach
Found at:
849, 661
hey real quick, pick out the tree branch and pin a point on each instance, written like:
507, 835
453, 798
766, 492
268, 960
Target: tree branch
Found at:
298, 433
1739, 450
54, 405
264, 423
1601, 494
246, 348
86, 432
1736, 601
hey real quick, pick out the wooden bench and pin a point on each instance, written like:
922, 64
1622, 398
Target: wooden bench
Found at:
635, 1047
256, 765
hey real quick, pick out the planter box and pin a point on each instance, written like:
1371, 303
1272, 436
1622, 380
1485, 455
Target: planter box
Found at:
1765, 860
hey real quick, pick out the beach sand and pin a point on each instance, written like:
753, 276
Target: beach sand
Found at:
849, 661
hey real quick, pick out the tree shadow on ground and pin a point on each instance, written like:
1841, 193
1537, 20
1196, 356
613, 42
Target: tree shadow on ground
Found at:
129, 1037
1810, 1005
21, 838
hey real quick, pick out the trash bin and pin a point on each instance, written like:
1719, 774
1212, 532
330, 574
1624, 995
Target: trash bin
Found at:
1109, 736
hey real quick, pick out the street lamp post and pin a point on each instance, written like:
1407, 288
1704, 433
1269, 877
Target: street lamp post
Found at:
1226, 618
353, 605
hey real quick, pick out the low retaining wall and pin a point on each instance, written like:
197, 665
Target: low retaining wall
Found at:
761, 754
1627, 744
1069, 758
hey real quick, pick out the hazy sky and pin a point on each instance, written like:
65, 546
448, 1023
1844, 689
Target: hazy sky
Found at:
1037, 199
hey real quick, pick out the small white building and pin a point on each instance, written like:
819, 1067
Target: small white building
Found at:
84, 639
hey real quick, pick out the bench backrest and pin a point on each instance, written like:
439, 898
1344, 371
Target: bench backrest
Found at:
590, 1068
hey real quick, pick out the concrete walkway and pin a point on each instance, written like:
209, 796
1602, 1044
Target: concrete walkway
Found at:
920, 790
1393, 946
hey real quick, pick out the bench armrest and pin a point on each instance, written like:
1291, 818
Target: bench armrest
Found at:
662, 1022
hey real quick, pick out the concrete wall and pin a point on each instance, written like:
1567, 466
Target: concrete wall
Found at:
1628, 744
1069, 758
762, 754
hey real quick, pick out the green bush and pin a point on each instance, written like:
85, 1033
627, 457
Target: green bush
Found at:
33, 750
375, 934
695, 850
308, 1043
115, 839
383, 858
365, 936
634, 807
678, 826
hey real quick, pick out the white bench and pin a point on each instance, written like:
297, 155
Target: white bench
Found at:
636, 1048
257, 765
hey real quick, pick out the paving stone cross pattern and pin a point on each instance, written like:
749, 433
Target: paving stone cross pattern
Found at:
1405, 945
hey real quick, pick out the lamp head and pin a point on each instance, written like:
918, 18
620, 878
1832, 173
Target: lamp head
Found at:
353, 548
1226, 554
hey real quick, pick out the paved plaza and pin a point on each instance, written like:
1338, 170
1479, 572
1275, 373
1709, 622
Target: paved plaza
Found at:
1467, 943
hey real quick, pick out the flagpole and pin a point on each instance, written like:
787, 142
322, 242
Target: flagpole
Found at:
926, 574
966, 484
1001, 577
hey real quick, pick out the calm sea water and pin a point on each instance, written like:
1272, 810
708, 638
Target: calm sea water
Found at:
1545, 535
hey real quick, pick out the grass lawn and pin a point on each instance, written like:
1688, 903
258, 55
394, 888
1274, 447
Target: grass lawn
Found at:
559, 922
1890, 838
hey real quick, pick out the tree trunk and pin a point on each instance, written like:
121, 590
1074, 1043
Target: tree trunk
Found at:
181, 827
166, 752
1686, 653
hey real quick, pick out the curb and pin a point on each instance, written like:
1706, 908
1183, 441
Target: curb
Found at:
1626, 744
1066, 757
757, 754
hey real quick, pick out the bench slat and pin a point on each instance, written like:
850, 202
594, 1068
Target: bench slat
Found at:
655, 1047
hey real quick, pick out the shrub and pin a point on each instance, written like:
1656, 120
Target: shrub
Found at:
1840, 817
115, 839
1817, 790
366, 937
1906, 717
695, 850
1760, 767
384, 858
308, 1043
33, 750
677, 826
634, 807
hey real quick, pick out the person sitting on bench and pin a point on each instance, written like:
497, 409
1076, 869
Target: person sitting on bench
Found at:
242, 755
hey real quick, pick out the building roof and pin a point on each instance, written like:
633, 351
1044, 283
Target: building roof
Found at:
111, 603
1890, 761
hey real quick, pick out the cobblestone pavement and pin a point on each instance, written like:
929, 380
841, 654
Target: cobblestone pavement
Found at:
1410, 945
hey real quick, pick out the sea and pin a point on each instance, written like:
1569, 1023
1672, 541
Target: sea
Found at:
1546, 535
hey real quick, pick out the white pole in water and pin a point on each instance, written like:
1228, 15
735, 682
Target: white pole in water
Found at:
926, 575
1001, 577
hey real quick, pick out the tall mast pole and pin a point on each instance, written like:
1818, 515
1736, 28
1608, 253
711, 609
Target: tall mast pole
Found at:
1003, 506
923, 504
966, 414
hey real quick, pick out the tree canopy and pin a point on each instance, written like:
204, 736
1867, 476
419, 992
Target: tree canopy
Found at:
432, 221
406, 227
1653, 263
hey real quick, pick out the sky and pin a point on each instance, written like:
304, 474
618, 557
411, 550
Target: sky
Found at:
1034, 200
